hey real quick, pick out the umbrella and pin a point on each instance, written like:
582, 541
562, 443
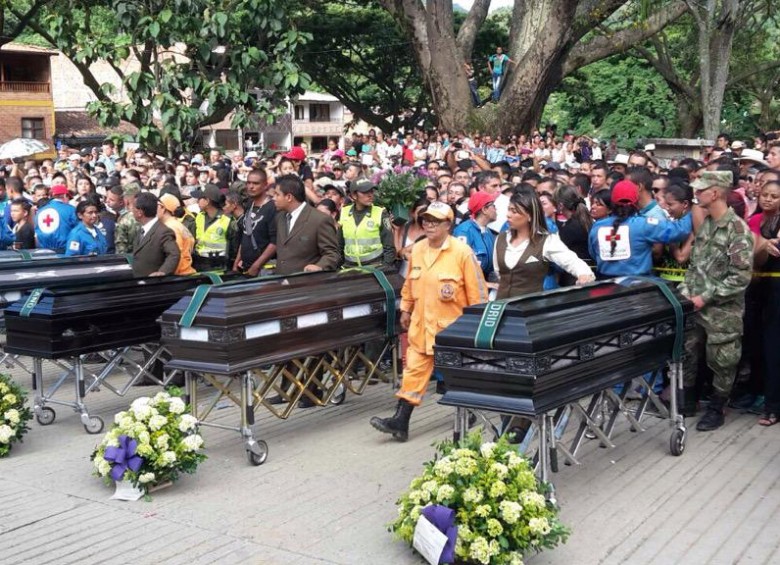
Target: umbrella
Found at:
21, 147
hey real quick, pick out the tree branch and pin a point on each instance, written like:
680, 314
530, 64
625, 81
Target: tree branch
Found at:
24, 20
590, 13
601, 47
736, 79
467, 33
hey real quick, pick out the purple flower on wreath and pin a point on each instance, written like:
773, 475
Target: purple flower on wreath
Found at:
123, 457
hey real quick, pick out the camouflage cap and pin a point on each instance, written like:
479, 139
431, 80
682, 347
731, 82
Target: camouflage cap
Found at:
707, 179
132, 188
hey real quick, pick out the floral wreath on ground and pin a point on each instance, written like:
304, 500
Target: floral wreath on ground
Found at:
500, 509
14, 415
151, 443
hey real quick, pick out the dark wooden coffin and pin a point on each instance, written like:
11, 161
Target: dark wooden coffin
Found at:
556, 347
84, 318
275, 319
22, 273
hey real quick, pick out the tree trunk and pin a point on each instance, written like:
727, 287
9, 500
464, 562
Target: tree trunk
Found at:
716, 28
689, 118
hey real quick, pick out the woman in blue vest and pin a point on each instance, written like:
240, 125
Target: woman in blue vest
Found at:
86, 238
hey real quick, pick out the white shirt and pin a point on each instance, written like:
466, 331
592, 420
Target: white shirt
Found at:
554, 251
148, 225
294, 215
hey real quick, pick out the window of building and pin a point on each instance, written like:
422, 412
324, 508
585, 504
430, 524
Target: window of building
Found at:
299, 112
319, 112
33, 128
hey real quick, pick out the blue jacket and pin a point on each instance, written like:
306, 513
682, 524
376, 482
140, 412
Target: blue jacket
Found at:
481, 242
633, 252
81, 242
53, 223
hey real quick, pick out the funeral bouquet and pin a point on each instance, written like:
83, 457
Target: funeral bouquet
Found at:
498, 507
398, 189
150, 444
13, 414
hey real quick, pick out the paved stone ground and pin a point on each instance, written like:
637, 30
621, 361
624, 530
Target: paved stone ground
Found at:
328, 489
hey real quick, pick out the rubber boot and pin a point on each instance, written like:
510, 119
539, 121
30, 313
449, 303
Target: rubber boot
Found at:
713, 418
688, 407
398, 424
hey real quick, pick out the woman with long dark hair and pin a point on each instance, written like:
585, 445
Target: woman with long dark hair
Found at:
678, 201
622, 243
524, 252
574, 232
766, 290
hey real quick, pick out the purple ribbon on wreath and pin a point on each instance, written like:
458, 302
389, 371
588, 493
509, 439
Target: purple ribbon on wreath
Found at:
443, 519
123, 457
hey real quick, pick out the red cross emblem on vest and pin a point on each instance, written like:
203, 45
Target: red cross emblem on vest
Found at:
48, 220
612, 237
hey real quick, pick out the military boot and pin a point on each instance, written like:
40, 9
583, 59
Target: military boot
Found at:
713, 418
398, 424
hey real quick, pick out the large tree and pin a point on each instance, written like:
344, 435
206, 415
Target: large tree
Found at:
701, 60
181, 65
548, 39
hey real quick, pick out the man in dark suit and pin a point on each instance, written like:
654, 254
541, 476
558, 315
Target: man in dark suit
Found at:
155, 252
306, 239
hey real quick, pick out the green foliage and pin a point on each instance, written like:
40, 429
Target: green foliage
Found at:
14, 415
360, 55
620, 96
184, 64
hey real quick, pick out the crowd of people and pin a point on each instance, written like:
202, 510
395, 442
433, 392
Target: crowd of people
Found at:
499, 217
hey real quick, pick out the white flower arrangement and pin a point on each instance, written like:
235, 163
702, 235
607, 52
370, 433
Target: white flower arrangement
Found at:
500, 507
156, 441
14, 415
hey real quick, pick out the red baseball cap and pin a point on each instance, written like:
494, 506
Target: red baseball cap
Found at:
295, 153
625, 192
478, 201
58, 190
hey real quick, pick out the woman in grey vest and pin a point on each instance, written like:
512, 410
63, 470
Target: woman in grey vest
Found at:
524, 251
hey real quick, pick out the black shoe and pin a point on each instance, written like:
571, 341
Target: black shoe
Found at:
441, 388
398, 425
306, 402
713, 418
276, 399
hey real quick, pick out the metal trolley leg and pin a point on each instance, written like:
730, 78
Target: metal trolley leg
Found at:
679, 433
256, 449
92, 424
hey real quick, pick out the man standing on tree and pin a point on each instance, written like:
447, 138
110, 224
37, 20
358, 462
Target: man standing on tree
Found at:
498, 66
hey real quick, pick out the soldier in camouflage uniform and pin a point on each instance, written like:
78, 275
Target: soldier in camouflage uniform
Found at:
127, 227
719, 272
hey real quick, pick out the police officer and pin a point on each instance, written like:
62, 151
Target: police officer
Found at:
475, 233
717, 277
366, 231
55, 220
213, 231
86, 238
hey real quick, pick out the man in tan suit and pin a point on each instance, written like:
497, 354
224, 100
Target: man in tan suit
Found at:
155, 252
306, 239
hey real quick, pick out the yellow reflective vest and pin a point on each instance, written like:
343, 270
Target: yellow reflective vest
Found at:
362, 243
211, 241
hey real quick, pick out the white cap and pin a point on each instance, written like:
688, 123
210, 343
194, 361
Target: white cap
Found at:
74, 157
650, 147
621, 159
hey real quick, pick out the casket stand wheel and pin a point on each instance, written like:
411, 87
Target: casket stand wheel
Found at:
339, 395
257, 451
45, 415
677, 442
93, 424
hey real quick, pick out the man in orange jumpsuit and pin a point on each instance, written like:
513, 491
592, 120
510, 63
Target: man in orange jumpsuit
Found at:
444, 277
